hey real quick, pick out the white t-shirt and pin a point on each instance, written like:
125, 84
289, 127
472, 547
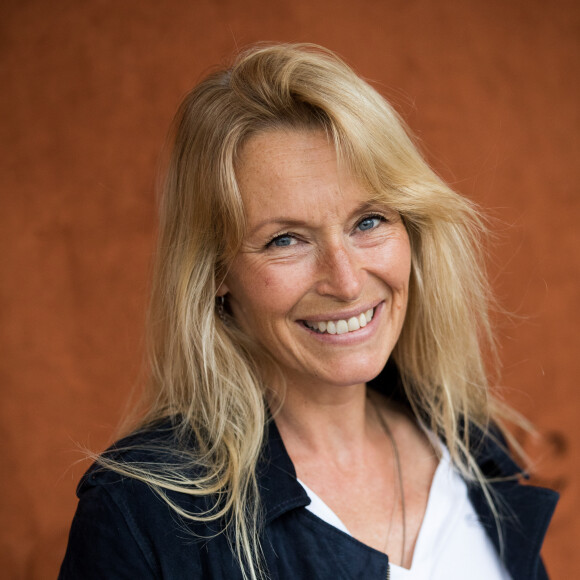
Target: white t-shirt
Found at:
452, 544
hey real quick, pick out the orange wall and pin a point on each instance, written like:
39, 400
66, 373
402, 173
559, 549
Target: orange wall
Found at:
87, 92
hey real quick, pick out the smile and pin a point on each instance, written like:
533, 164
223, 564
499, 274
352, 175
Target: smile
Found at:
341, 326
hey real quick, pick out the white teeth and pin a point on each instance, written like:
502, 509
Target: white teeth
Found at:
342, 326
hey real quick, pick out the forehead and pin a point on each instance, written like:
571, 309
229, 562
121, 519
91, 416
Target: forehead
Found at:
282, 153
292, 170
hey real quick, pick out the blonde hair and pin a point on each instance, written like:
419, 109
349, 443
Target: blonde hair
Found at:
204, 371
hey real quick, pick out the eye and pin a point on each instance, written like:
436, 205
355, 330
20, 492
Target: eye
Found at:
370, 222
281, 241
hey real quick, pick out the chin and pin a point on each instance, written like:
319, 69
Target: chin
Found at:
348, 377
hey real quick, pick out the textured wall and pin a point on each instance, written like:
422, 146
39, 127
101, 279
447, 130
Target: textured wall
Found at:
87, 92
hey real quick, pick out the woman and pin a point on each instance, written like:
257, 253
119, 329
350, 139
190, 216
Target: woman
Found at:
319, 403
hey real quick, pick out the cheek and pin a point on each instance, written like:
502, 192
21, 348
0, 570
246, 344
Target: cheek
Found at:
277, 280
394, 268
400, 264
259, 295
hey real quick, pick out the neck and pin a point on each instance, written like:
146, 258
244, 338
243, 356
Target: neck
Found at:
329, 423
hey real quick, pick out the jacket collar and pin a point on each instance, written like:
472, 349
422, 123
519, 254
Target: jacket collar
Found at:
279, 489
281, 492
523, 511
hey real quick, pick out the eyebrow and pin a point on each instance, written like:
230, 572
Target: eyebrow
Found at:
289, 222
281, 222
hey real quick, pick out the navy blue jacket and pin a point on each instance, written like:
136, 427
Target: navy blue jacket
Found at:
122, 529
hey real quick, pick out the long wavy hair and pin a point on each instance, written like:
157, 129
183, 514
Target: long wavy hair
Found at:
205, 372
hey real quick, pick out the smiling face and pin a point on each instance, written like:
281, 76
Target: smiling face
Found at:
321, 280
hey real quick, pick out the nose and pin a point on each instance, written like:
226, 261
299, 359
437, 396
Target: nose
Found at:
341, 276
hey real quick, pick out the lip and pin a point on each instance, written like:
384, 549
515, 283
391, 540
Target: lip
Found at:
348, 337
342, 315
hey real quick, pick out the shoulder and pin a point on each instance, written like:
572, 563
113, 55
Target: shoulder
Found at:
126, 473
149, 448
124, 522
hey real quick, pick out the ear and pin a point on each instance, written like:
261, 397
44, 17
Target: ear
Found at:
222, 290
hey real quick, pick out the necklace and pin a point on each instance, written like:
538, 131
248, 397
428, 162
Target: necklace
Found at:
399, 477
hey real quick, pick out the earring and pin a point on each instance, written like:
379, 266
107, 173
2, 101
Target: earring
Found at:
221, 311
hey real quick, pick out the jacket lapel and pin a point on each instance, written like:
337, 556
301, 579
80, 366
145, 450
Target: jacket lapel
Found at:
523, 511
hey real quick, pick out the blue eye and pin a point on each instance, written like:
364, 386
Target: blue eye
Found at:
282, 241
369, 223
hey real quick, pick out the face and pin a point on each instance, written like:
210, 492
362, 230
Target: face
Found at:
321, 280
